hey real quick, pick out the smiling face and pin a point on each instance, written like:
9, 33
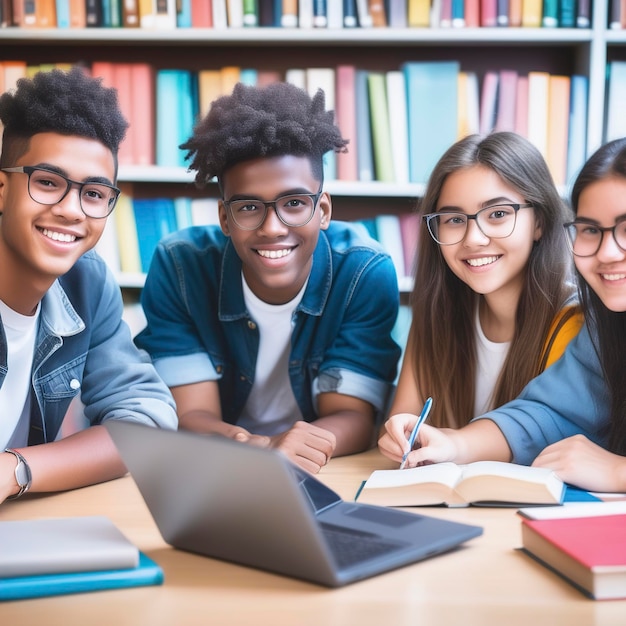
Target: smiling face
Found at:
276, 258
492, 267
39, 243
603, 203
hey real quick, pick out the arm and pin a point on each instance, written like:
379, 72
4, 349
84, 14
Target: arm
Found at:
199, 410
478, 441
78, 460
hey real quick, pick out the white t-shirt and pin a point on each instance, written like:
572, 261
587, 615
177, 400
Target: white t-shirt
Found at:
490, 359
271, 407
21, 333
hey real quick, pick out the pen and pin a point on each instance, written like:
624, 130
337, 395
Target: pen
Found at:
420, 420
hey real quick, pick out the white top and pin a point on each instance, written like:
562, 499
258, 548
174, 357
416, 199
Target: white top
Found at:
21, 332
271, 407
490, 357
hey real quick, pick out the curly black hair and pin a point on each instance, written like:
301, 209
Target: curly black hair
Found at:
65, 102
276, 120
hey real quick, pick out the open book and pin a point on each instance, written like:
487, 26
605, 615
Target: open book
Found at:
484, 482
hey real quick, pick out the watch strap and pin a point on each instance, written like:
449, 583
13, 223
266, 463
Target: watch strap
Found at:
23, 476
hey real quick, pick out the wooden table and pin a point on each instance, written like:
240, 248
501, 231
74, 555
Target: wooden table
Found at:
486, 582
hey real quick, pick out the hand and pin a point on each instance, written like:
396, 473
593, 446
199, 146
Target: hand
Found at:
394, 443
578, 461
435, 445
306, 445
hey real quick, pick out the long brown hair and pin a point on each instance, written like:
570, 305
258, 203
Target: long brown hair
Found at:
442, 335
609, 327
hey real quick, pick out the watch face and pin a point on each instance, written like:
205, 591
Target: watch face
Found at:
21, 474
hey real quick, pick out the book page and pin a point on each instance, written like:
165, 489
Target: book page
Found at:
495, 481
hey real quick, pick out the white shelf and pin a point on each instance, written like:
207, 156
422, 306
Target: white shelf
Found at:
282, 36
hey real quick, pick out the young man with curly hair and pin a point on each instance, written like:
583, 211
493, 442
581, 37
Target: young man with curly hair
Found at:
274, 328
61, 332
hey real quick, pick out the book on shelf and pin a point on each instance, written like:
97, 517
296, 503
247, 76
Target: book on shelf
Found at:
350, 17
577, 141
472, 13
432, 88
409, 231
532, 13
202, 13
468, 105
126, 229
320, 13
502, 13
567, 13
550, 14
488, 13
397, 14
490, 483
289, 14
305, 14
62, 9
521, 106
154, 219
515, 13
538, 105
345, 111
234, 13
334, 14
183, 14
363, 13
558, 127
381, 135
583, 14
108, 246
616, 94
365, 158
398, 124
506, 99
377, 13
220, 14
584, 544
418, 13
489, 101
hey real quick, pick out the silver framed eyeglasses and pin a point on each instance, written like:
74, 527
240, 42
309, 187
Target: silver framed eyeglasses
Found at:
292, 210
97, 200
496, 222
586, 237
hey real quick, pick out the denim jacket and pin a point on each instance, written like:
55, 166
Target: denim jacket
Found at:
568, 398
83, 347
199, 329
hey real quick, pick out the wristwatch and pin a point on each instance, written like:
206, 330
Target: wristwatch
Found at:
23, 476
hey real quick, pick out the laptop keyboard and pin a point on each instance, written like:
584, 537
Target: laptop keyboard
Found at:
352, 546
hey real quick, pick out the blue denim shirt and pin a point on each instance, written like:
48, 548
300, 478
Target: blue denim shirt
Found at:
199, 329
82, 346
570, 397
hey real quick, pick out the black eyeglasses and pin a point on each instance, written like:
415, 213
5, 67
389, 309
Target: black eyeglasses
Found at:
292, 210
496, 222
586, 237
97, 200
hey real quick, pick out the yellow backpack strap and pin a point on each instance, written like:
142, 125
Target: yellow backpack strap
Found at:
564, 328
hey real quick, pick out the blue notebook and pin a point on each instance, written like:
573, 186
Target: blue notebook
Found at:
146, 573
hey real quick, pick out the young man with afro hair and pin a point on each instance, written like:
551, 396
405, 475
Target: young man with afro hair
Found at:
275, 327
61, 332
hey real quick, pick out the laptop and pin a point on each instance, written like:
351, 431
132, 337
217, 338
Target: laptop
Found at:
232, 501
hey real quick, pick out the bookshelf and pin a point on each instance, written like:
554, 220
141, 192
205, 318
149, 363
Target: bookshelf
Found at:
555, 50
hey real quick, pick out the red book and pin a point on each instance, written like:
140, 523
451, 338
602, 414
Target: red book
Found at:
488, 13
589, 552
345, 111
142, 113
201, 14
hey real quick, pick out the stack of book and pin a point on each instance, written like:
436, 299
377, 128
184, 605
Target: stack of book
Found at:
47, 557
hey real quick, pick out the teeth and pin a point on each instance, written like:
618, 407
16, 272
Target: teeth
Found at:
483, 261
613, 276
58, 236
274, 254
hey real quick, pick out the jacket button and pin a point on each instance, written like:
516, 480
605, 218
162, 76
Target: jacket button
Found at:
251, 325
74, 384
